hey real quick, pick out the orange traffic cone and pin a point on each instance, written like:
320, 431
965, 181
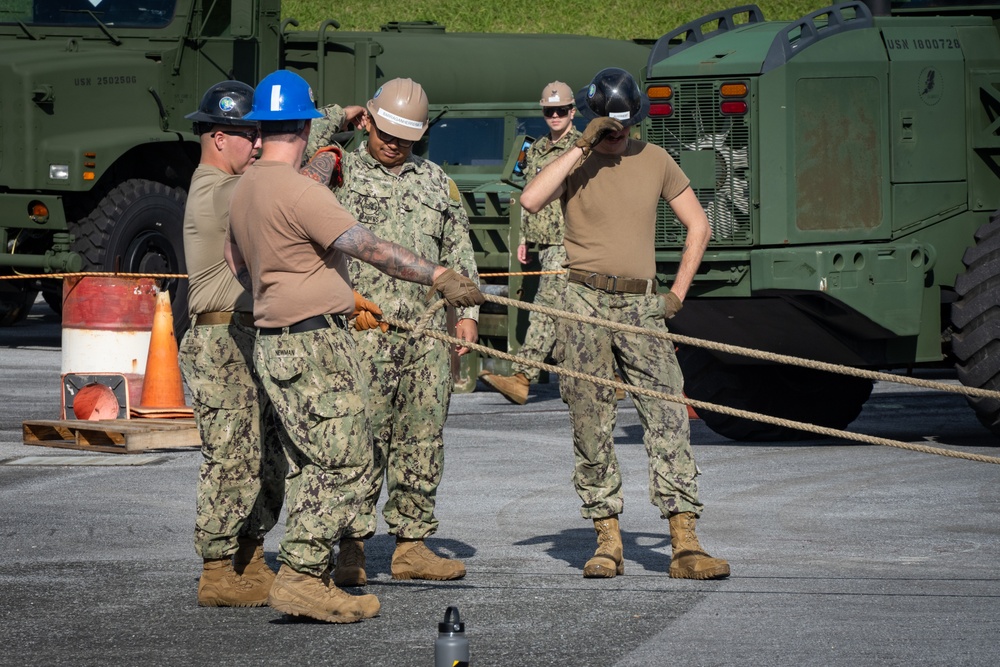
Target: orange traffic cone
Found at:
162, 386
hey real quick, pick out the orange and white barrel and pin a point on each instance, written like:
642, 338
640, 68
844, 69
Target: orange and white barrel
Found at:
106, 326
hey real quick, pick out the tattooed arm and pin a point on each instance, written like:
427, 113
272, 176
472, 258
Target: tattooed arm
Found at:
322, 167
388, 257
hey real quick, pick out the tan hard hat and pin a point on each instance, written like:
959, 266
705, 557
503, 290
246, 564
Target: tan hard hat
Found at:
556, 94
399, 108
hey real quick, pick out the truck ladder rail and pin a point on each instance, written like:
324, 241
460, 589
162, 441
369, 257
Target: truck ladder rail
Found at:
805, 32
725, 21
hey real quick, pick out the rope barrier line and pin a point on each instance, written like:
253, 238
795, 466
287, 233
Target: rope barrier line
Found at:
420, 328
675, 338
97, 274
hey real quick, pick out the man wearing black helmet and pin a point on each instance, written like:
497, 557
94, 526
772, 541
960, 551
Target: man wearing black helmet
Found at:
610, 184
242, 478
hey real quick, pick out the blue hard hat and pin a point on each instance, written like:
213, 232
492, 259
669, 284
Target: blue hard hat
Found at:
283, 95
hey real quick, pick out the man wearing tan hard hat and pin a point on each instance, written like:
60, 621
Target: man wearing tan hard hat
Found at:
544, 232
410, 200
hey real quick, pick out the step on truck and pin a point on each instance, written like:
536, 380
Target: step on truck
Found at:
849, 162
96, 156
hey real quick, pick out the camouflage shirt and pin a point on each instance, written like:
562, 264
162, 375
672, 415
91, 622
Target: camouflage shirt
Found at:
418, 209
323, 129
545, 227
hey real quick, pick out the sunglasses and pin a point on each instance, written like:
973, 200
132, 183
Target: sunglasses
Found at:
249, 135
562, 112
386, 138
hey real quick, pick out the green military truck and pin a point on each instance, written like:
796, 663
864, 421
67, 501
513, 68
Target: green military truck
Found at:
96, 156
849, 162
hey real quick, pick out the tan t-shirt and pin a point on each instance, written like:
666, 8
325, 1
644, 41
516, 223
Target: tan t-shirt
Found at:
285, 224
610, 208
211, 285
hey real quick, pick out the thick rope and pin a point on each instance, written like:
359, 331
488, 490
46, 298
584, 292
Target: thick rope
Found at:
420, 328
750, 352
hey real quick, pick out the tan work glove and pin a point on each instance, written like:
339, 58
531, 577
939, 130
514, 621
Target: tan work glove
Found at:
596, 130
364, 315
671, 304
456, 290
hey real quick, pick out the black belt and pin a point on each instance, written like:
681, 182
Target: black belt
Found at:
612, 284
310, 324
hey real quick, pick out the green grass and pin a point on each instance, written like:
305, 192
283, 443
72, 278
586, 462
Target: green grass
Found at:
620, 19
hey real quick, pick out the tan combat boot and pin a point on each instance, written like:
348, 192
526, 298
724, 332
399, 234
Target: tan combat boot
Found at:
350, 570
413, 560
299, 594
221, 586
607, 560
248, 561
688, 560
513, 387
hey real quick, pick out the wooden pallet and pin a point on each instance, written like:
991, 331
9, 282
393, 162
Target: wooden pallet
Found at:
118, 436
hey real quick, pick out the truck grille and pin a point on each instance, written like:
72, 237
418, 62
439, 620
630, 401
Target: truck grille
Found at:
696, 125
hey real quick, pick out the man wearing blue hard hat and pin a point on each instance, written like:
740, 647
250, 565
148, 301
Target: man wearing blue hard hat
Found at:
610, 185
289, 242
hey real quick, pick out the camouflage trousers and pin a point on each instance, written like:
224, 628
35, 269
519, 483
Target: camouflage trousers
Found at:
645, 362
241, 483
410, 391
320, 392
541, 334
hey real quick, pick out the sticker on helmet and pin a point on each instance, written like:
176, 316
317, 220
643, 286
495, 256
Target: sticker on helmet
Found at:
620, 115
554, 96
276, 98
399, 120
227, 103
312, 97
591, 91
377, 92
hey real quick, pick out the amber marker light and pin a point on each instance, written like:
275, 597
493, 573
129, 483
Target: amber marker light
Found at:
659, 92
38, 212
733, 90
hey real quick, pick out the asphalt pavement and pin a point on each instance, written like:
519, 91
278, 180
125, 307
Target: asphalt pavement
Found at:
841, 553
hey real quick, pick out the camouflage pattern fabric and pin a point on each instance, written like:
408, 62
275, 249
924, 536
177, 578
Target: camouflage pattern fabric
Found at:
541, 334
411, 379
319, 391
645, 362
416, 210
241, 482
410, 391
322, 129
547, 226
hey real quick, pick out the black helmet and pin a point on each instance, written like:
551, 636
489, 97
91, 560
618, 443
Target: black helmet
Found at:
613, 93
225, 103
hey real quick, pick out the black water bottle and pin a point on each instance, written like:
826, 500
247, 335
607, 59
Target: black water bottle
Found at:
451, 648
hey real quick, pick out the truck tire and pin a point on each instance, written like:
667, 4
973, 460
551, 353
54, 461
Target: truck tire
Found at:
138, 227
975, 319
788, 392
15, 303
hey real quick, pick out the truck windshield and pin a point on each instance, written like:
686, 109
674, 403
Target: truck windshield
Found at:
475, 142
82, 13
